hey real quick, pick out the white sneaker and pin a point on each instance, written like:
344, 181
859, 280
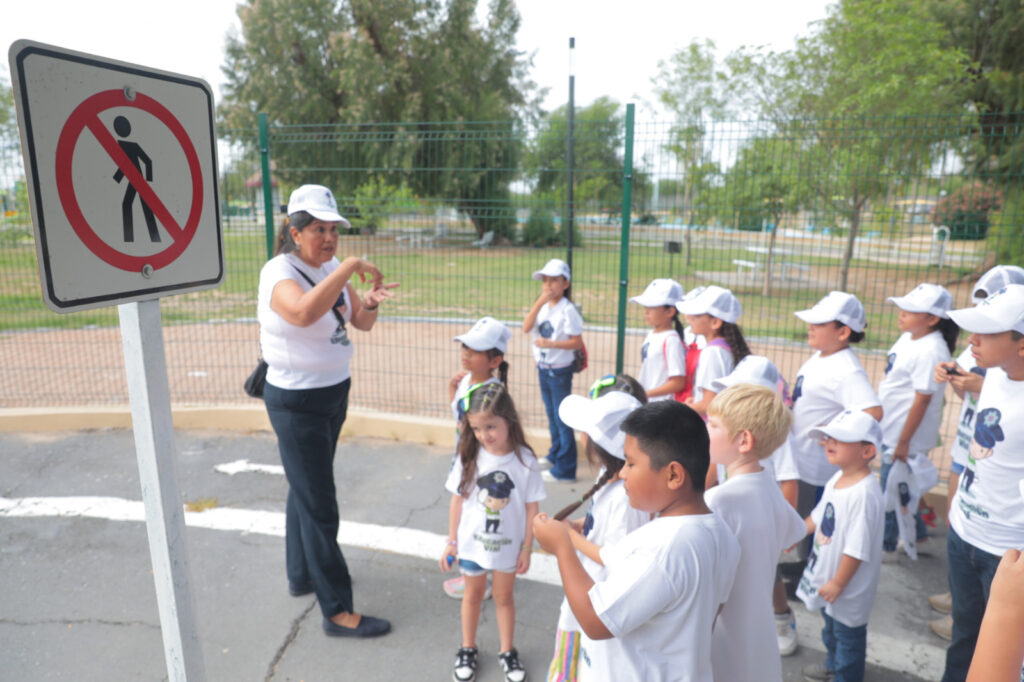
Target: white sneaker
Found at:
785, 631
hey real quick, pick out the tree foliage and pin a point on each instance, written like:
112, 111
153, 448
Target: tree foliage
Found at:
358, 63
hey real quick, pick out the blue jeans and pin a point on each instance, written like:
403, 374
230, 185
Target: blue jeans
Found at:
307, 423
891, 533
847, 649
555, 385
970, 577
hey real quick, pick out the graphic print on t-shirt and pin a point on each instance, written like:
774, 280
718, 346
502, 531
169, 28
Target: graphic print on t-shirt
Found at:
824, 534
798, 388
495, 490
890, 361
643, 351
987, 433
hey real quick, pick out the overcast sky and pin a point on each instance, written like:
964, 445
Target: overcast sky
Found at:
618, 45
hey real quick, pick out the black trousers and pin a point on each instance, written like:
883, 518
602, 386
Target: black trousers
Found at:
307, 423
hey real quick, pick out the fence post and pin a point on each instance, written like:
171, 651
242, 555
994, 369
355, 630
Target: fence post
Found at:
268, 196
570, 162
627, 203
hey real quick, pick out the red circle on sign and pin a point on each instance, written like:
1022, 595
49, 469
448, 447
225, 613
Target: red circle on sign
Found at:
86, 115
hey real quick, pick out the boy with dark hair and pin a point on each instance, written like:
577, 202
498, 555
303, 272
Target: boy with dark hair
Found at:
667, 580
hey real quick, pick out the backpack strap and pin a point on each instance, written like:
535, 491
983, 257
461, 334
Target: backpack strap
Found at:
334, 308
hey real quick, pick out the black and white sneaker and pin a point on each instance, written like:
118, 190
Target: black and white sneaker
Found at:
465, 664
514, 670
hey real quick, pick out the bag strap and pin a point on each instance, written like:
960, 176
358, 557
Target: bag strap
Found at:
334, 309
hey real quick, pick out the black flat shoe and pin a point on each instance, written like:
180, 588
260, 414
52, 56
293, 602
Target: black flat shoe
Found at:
368, 627
299, 589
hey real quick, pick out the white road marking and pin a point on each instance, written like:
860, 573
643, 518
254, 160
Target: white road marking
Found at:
407, 541
240, 466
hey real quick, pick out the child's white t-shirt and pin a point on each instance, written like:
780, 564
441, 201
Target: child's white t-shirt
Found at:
782, 463
753, 507
661, 356
664, 584
847, 521
988, 511
715, 362
825, 386
909, 370
959, 451
556, 322
493, 539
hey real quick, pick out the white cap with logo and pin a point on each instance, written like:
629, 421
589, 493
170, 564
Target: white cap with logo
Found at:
485, 335
1003, 311
837, 306
600, 418
660, 292
995, 279
925, 298
714, 301
317, 201
553, 268
852, 426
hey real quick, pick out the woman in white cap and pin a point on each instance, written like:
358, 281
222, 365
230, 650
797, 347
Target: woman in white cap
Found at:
557, 330
305, 301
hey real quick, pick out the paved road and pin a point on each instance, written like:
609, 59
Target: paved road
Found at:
78, 600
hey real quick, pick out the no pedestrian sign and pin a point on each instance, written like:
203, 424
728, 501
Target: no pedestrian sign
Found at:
121, 164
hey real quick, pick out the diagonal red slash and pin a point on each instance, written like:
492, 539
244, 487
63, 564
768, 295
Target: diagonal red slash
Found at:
133, 176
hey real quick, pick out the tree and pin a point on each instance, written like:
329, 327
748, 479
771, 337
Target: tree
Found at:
344, 66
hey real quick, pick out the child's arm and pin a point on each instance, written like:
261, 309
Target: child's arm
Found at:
914, 418
701, 407
531, 317
526, 551
672, 386
589, 549
844, 574
875, 412
453, 385
1000, 649
553, 536
572, 343
451, 548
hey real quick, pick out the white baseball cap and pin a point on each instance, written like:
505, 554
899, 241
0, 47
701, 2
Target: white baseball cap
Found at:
714, 301
600, 418
317, 201
837, 306
852, 426
485, 335
995, 279
694, 292
660, 292
554, 268
753, 369
925, 298
1003, 311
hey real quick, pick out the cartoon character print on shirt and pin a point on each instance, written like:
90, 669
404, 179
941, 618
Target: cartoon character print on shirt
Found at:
643, 351
546, 331
904, 491
987, 432
824, 534
495, 491
890, 360
798, 388
588, 524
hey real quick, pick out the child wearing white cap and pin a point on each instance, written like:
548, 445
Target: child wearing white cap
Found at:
712, 314
483, 354
609, 518
966, 378
662, 355
557, 330
987, 515
747, 423
911, 412
842, 571
829, 382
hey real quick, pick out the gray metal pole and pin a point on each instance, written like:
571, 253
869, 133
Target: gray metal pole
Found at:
627, 202
570, 162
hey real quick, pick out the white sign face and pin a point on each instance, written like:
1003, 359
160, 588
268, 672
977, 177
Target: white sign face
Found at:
121, 167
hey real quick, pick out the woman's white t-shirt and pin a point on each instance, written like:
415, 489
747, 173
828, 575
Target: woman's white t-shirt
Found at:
910, 369
825, 387
987, 510
662, 589
765, 525
714, 362
847, 521
488, 537
556, 322
301, 357
661, 356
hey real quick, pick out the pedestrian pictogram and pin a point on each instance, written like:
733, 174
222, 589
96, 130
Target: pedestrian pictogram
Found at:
121, 165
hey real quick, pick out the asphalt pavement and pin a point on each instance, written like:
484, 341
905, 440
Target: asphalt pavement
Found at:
77, 598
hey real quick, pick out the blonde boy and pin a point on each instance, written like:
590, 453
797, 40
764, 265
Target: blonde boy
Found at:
746, 424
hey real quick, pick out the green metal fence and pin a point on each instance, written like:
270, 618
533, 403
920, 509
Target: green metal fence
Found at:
462, 213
